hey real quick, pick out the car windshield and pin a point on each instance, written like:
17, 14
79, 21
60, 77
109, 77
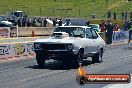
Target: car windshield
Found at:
93, 26
72, 31
18, 14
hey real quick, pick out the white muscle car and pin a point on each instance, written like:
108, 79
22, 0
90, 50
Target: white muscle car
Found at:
70, 44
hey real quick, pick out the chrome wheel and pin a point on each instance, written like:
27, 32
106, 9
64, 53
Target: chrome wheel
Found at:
100, 55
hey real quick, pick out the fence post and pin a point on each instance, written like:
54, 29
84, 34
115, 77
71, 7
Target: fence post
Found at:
53, 11
79, 12
40, 10
66, 12
27, 12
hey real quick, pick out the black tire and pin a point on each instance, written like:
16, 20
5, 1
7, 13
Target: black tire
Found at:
77, 61
82, 80
40, 60
67, 63
97, 58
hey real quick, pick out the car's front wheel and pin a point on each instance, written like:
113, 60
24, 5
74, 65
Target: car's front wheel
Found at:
78, 59
40, 60
97, 58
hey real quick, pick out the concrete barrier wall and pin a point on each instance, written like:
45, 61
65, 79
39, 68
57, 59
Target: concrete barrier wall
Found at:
19, 39
13, 50
38, 31
19, 49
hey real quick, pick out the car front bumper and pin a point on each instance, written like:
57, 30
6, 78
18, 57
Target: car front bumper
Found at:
56, 54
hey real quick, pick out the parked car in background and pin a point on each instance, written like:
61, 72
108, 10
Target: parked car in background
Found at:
2, 17
95, 27
14, 16
70, 44
6, 24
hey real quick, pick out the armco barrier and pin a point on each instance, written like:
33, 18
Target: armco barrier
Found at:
16, 49
38, 31
118, 36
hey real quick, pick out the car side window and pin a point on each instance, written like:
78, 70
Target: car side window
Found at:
95, 36
78, 32
89, 33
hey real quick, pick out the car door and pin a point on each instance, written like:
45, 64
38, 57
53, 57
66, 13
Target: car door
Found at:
95, 41
88, 41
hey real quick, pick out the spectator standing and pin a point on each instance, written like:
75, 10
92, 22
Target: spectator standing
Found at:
34, 22
109, 14
130, 31
39, 20
54, 22
114, 16
28, 23
87, 23
45, 22
68, 22
109, 32
126, 25
122, 14
116, 28
126, 15
19, 22
60, 22
102, 26
23, 21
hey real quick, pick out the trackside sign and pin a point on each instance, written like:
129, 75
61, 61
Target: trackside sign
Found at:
8, 32
4, 32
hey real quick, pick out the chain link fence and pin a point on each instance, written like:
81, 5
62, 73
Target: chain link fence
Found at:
54, 12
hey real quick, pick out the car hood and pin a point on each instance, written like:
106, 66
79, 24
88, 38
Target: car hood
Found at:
61, 40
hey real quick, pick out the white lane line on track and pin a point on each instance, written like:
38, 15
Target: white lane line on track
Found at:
125, 85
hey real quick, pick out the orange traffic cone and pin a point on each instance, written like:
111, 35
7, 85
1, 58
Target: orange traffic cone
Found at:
32, 34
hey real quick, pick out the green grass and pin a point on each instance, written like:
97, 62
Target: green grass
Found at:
65, 8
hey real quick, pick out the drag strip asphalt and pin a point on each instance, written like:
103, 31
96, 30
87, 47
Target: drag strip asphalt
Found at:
25, 73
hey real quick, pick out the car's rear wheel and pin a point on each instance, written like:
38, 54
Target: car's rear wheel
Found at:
40, 60
97, 58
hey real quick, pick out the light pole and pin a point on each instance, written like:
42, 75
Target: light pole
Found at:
106, 3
